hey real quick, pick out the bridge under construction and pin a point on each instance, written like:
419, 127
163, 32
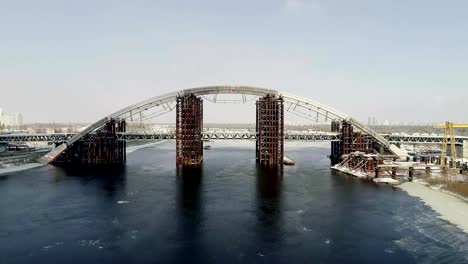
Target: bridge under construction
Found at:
102, 143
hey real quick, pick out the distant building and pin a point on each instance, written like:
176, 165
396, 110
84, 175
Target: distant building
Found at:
372, 121
12, 120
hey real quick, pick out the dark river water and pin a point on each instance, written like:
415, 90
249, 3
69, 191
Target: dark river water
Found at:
229, 211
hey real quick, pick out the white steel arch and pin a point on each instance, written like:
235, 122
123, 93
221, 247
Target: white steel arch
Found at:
165, 103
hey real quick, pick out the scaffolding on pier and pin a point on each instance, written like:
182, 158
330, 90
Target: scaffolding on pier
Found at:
189, 127
102, 148
336, 146
350, 141
270, 130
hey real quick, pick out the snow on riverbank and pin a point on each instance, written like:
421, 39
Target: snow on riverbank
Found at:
349, 171
451, 208
13, 169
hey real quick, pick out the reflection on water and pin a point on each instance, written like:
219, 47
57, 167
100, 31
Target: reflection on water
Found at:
269, 182
189, 213
110, 179
189, 181
269, 212
90, 172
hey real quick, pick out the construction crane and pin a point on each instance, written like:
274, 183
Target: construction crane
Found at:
449, 133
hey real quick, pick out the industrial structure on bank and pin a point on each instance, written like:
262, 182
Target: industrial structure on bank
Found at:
358, 155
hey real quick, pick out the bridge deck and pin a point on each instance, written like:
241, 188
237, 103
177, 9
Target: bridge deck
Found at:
319, 136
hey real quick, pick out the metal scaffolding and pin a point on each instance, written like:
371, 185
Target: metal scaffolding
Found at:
358, 161
189, 127
336, 146
270, 130
350, 141
103, 148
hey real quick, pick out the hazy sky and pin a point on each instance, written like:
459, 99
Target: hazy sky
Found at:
68, 61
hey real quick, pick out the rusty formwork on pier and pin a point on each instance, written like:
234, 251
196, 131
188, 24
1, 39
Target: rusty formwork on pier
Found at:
350, 141
354, 141
102, 148
270, 131
189, 127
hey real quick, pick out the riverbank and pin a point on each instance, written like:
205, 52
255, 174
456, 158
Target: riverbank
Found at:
13, 169
10, 169
450, 208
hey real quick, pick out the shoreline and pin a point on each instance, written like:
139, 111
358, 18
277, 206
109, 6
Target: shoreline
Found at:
451, 208
22, 167
27, 166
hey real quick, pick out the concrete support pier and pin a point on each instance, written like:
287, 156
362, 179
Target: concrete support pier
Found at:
102, 148
189, 127
350, 142
270, 131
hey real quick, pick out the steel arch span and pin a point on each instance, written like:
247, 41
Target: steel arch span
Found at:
165, 103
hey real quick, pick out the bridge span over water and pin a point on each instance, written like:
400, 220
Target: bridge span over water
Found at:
162, 104
228, 135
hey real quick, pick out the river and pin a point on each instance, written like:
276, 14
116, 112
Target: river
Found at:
228, 211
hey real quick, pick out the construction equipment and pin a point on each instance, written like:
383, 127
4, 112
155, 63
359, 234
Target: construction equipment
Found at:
449, 133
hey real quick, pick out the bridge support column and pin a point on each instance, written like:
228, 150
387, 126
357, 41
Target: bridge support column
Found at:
353, 141
270, 131
336, 146
350, 141
102, 148
189, 126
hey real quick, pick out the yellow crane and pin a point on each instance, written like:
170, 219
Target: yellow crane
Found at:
449, 133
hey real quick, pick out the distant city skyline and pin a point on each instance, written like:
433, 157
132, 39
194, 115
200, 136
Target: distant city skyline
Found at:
15, 119
77, 62
10, 120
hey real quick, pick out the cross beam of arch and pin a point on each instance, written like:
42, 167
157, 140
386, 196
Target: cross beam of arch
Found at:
165, 103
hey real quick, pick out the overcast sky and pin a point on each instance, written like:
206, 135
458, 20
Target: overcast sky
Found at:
73, 61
